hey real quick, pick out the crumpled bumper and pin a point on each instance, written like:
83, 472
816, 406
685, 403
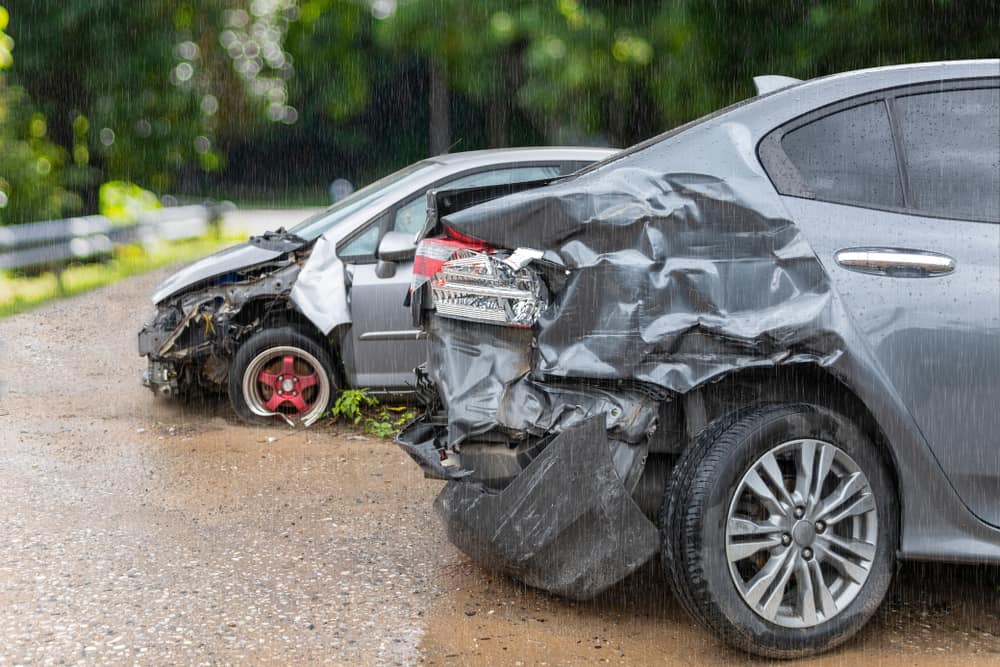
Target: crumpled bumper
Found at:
566, 524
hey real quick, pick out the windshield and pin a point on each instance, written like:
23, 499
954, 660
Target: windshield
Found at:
314, 227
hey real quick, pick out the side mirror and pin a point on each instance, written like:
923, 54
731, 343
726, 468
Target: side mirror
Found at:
397, 247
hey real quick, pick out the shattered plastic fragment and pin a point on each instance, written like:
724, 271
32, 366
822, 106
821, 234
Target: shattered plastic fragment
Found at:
566, 524
521, 257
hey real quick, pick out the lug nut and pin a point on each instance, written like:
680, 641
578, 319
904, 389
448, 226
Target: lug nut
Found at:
786, 539
807, 553
280, 378
820, 526
295, 379
295, 393
799, 512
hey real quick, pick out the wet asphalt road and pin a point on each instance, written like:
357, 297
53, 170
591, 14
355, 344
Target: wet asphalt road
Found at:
132, 530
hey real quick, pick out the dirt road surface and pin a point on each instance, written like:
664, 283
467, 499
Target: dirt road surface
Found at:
135, 531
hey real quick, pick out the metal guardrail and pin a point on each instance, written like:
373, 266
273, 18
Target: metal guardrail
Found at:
55, 243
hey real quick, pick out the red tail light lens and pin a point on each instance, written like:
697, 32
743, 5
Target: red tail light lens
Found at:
433, 253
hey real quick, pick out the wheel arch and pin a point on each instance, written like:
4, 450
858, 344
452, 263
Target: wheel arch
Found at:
794, 383
272, 311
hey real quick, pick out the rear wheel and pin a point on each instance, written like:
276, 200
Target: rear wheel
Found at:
779, 529
281, 374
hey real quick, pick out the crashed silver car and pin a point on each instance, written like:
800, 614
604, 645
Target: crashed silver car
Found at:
284, 321
763, 347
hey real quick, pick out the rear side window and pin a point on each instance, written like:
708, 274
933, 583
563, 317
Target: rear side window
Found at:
503, 176
848, 157
412, 216
951, 152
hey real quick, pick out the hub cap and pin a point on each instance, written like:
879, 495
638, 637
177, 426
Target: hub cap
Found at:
801, 533
288, 381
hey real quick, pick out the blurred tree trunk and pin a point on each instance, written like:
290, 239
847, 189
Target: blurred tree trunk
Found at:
440, 128
498, 127
500, 107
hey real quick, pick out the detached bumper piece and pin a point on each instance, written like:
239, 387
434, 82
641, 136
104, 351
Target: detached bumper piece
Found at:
566, 524
419, 441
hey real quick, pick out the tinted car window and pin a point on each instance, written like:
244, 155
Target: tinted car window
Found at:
503, 176
848, 157
411, 217
951, 151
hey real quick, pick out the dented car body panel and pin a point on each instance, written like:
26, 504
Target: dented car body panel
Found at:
212, 268
306, 276
204, 324
681, 268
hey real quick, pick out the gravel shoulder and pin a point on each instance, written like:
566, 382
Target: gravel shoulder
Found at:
136, 530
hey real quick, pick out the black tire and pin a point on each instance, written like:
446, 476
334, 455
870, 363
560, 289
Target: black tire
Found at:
696, 512
281, 343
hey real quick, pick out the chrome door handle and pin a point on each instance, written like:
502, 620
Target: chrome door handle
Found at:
895, 262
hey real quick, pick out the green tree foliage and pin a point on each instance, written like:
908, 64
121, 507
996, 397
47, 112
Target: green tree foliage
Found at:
590, 69
251, 96
579, 71
126, 85
707, 54
137, 89
30, 164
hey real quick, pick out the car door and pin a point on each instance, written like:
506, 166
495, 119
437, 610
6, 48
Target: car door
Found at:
899, 195
385, 347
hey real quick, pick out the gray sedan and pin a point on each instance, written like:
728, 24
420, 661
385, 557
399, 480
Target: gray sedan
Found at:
764, 346
284, 321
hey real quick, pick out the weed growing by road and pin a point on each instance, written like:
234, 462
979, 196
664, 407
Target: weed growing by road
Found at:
364, 411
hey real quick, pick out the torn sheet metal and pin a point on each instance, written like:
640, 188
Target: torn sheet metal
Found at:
565, 524
682, 266
258, 250
483, 375
320, 293
666, 270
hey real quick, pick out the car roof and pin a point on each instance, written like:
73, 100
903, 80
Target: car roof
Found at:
906, 73
529, 154
781, 105
764, 112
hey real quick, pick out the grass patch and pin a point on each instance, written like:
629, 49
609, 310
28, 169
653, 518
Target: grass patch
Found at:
366, 413
19, 293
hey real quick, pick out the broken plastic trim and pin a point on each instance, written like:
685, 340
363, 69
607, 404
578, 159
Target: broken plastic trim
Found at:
481, 287
566, 524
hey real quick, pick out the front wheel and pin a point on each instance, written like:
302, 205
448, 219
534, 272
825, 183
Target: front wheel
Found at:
779, 529
281, 374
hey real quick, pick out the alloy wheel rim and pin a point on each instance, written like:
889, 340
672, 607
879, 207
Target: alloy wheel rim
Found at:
801, 533
286, 381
